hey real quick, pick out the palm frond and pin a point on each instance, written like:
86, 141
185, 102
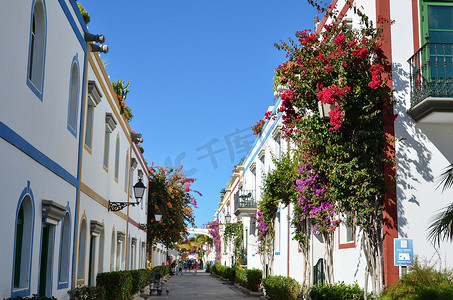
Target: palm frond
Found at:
441, 227
446, 179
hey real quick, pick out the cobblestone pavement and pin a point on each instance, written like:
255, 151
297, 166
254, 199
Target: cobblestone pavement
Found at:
202, 286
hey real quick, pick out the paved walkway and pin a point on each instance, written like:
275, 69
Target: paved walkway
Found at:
202, 286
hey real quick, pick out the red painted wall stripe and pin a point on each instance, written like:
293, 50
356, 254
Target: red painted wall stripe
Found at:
415, 26
390, 213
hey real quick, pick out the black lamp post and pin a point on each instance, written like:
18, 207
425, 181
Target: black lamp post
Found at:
139, 190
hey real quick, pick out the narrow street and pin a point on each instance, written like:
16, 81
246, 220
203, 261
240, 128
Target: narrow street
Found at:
202, 286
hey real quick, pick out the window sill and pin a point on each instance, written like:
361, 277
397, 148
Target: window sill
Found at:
87, 149
348, 245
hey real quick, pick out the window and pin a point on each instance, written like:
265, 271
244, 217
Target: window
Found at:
23, 245
106, 148
73, 98
65, 243
112, 253
437, 29
101, 252
350, 229
117, 157
347, 231
94, 98
278, 148
82, 250
110, 125
89, 125
35, 76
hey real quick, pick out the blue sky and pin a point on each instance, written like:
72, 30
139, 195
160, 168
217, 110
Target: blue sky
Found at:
201, 75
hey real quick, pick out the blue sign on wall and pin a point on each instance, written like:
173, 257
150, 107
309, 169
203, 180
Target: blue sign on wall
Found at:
404, 252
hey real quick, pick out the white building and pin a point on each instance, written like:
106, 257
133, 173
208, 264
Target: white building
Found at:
43, 85
109, 237
423, 103
59, 171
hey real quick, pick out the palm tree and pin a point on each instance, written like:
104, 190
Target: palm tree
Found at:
441, 227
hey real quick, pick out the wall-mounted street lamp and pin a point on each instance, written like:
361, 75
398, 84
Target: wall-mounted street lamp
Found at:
97, 38
228, 217
157, 219
139, 190
98, 48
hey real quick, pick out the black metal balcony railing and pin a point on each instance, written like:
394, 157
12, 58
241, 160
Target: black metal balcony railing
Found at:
245, 199
431, 72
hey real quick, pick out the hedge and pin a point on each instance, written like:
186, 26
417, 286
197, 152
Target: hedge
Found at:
338, 291
117, 285
253, 279
241, 277
33, 297
164, 270
279, 287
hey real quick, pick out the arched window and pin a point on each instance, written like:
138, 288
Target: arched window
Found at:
117, 157
73, 97
37, 48
112, 253
82, 250
126, 172
65, 246
23, 245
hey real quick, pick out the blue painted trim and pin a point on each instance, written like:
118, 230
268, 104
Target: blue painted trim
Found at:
23, 292
17, 141
270, 130
64, 284
263, 141
73, 23
30, 84
75, 60
79, 16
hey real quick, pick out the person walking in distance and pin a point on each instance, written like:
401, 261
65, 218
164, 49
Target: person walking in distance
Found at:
195, 266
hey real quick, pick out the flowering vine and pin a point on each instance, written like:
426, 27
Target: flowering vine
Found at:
258, 127
214, 231
313, 201
345, 71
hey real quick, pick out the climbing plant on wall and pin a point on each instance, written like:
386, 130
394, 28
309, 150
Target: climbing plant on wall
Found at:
234, 233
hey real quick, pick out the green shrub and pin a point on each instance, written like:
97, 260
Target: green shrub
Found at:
279, 287
117, 285
33, 297
422, 282
140, 279
221, 270
230, 274
83, 292
164, 270
253, 279
241, 277
338, 291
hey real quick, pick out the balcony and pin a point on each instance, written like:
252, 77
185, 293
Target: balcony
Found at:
244, 203
431, 80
